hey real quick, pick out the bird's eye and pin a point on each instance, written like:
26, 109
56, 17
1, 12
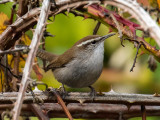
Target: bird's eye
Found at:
93, 42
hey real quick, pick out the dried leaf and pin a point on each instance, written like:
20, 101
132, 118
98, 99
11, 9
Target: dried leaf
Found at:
37, 71
3, 19
152, 64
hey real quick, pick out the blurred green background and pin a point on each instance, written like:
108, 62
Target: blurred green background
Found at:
117, 63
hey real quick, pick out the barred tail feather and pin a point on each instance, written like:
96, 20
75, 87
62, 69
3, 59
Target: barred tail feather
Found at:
44, 55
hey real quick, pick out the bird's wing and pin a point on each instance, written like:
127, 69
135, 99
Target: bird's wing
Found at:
60, 61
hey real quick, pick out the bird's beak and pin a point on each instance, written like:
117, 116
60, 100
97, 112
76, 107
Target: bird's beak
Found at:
107, 36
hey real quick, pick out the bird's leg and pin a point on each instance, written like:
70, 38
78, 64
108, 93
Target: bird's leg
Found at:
63, 91
93, 92
63, 88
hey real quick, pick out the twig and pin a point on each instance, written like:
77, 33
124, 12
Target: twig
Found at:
25, 49
23, 8
76, 13
16, 71
38, 111
96, 28
36, 83
5, 1
138, 47
30, 59
143, 110
6, 72
118, 28
61, 102
16, 68
12, 14
18, 77
43, 48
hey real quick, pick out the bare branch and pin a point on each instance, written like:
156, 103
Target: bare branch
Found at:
5, 1
109, 103
38, 111
74, 97
29, 62
134, 62
88, 110
23, 8
25, 49
96, 28
143, 110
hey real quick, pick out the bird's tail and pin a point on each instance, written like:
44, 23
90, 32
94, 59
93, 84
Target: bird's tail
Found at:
42, 54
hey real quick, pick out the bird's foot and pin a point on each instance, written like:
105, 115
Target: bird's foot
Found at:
62, 91
92, 93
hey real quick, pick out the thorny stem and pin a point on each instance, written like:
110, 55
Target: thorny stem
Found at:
106, 103
86, 110
118, 28
138, 47
30, 59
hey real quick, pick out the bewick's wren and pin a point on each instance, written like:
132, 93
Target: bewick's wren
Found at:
81, 65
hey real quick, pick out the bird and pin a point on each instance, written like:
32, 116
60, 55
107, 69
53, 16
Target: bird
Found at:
81, 65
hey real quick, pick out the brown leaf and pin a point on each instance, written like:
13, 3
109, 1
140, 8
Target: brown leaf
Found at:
37, 71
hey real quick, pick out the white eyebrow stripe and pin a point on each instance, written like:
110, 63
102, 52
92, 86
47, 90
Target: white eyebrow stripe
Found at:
86, 42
